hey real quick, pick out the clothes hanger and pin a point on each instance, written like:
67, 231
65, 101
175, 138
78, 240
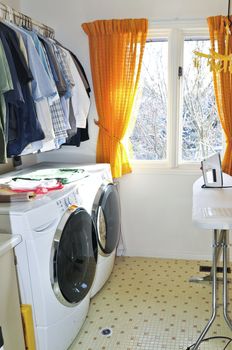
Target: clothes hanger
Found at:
2, 14
10, 14
3, 11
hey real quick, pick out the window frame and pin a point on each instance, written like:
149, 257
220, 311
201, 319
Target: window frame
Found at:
175, 32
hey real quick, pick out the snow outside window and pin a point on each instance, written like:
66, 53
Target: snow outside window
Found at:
176, 120
149, 137
201, 128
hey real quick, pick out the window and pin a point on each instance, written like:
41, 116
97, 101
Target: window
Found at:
176, 116
149, 136
201, 129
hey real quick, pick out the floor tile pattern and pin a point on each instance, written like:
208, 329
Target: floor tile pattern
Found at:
149, 304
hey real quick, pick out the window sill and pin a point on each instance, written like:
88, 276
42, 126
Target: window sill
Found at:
154, 167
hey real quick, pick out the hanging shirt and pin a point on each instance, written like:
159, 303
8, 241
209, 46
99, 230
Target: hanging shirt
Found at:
56, 71
6, 85
84, 133
43, 108
34, 146
64, 66
62, 59
79, 68
24, 126
13, 98
42, 87
58, 126
42, 54
81, 72
65, 105
80, 100
75, 139
58, 118
77, 135
22, 47
57, 112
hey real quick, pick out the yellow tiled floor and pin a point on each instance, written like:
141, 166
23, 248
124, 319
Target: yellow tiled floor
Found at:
149, 304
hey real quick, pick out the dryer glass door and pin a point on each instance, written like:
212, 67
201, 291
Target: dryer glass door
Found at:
75, 258
108, 218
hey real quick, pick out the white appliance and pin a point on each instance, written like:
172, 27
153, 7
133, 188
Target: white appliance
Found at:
56, 262
103, 201
212, 171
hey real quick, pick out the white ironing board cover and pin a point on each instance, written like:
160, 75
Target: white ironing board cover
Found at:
212, 207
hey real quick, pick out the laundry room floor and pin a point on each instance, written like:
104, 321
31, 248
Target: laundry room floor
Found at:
149, 304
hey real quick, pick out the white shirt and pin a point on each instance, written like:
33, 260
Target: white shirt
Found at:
80, 100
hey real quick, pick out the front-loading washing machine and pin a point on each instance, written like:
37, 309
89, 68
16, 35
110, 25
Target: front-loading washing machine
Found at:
102, 198
56, 262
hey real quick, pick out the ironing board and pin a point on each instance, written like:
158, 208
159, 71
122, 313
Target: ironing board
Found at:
212, 209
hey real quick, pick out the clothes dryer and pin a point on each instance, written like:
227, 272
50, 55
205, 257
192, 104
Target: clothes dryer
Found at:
56, 262
103, 201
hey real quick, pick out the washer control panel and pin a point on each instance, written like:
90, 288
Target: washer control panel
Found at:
69, 200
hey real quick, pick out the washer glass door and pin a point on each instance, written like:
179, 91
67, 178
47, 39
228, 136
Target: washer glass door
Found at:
74, 257
108, 218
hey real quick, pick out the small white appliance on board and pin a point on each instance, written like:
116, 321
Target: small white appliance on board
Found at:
212, 171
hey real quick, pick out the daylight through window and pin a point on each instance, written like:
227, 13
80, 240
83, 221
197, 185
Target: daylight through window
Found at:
201, 128
176, 114
149, 138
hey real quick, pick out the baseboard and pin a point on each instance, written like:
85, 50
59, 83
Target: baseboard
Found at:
167, 255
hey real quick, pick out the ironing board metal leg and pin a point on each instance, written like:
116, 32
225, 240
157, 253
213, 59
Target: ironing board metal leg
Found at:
209, 277
225, 281
219, 250
214, 291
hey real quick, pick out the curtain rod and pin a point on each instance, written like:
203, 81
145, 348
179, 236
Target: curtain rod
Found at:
177, 20
7, 12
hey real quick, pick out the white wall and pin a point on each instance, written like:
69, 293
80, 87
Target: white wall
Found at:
26, 161
157, 211
13, 3
156, 206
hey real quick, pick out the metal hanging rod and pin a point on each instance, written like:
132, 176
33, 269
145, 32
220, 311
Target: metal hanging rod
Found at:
10, 14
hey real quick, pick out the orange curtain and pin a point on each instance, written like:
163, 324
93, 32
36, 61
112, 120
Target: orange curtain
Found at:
223, 85
116, 51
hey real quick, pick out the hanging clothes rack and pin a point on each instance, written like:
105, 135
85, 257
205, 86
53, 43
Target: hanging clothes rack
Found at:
20, 19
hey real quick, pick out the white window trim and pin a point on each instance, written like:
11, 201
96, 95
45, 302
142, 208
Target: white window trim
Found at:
175, 31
